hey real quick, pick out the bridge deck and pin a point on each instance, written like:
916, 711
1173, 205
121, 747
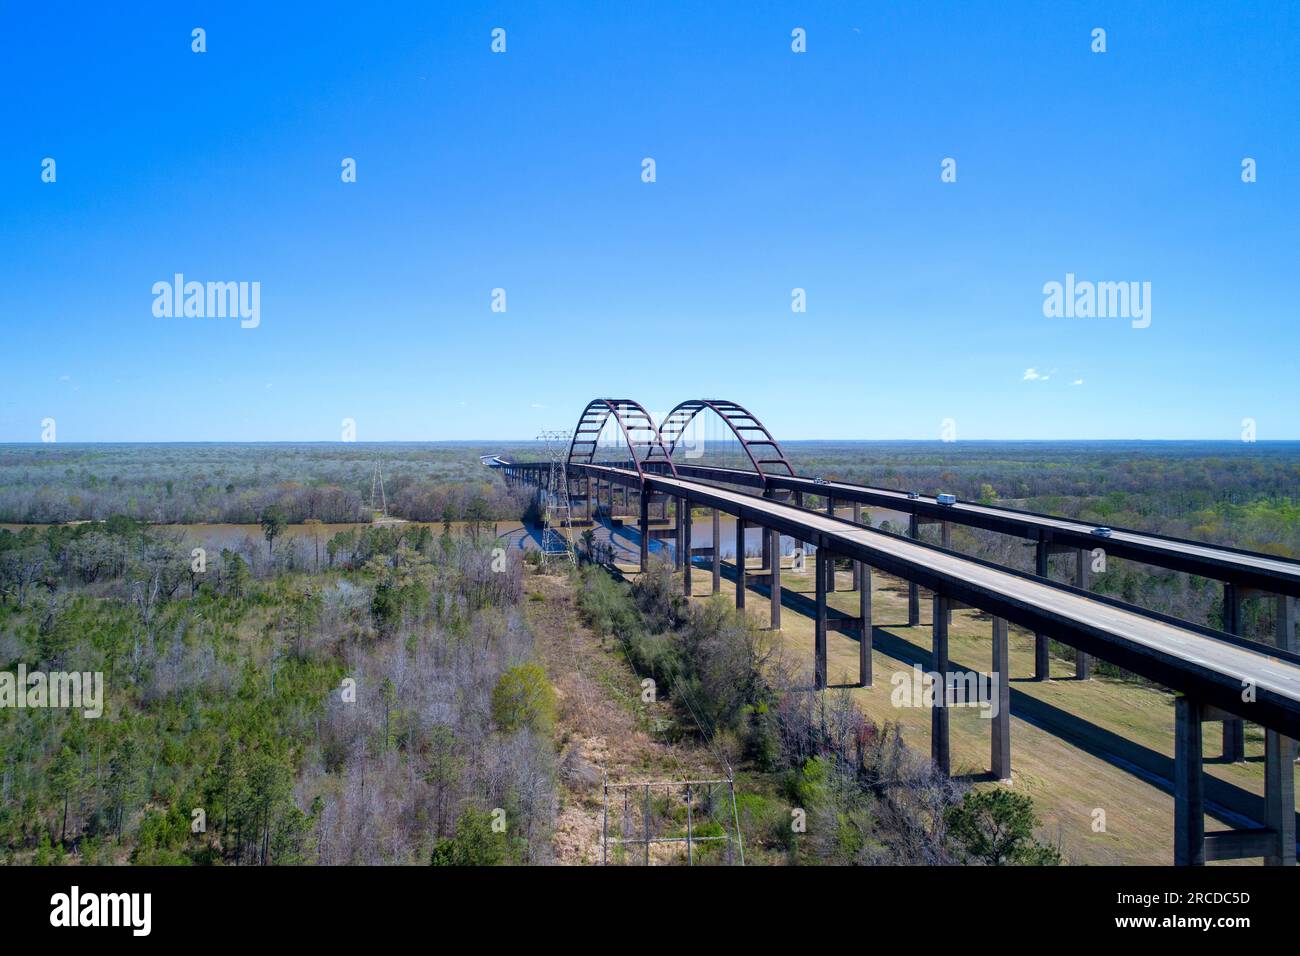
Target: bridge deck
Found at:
1267, 572
1209, 664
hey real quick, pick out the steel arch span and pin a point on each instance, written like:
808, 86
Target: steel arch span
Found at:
632, 419
765, 454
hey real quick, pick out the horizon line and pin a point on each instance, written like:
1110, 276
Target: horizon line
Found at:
536, 441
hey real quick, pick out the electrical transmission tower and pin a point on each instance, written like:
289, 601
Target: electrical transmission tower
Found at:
554, 498
377, 485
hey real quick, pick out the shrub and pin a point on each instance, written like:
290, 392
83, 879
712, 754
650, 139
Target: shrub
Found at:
474, 843
523, 697
996, 827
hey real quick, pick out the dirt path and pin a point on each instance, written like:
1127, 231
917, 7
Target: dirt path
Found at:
603, 726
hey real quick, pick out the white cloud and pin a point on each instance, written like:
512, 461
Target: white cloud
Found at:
1033, 375
1077, 381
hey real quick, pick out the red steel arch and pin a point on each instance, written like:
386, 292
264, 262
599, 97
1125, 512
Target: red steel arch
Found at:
751, 433
632, 419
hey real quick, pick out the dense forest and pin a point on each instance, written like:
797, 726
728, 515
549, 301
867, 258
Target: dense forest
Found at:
236, 484
365, 714
391, 708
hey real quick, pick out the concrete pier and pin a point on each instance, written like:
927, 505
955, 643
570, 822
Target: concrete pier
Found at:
913, 591
1042, 660
857, 565
765, 544
1001, 730
1082, 661
862, 575
774, 546
1234, 731
1286, 623
643, 526
740, 563
717, 551
1189, 786
680, 505
830, 565
939, 745
684, 519
819, 628
1279, 797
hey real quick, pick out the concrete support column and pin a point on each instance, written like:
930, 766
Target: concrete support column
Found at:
677, 534
1001, 676
798, 503
765, 549
1082, 661
857, 565
1279, 797
1042, 661
913, 591
819, 627
939, 751
1189, 785
1234, 731
740, 562
717, 551
1286, 620
862, 574
643, 525
586, 487
945, 540
830, 570
686, 546
830, 564
774, 546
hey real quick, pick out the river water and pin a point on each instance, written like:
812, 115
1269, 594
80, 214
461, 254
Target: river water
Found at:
214, 537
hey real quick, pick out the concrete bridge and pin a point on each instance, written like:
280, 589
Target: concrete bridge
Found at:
1221, 677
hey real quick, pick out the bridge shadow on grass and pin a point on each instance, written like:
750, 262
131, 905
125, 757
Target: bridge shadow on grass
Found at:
1226, 802
983, 776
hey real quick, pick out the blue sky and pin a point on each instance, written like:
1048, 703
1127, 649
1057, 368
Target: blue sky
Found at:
775, 170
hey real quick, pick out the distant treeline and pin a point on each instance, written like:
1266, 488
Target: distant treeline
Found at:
237, 484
